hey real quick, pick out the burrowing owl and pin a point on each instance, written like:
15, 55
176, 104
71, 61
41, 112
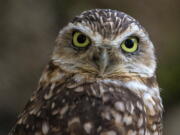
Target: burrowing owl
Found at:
100, 81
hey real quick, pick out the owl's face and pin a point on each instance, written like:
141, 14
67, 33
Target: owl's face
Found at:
105, 43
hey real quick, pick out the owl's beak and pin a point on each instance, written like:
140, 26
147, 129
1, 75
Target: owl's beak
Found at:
101, 59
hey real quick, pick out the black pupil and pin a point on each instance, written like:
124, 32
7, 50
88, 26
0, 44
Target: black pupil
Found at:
129, 43
81, 38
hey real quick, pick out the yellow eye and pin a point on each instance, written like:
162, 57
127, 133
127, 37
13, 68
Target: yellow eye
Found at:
130, 45
80, 40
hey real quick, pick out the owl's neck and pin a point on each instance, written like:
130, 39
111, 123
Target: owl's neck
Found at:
144, 88
54, 75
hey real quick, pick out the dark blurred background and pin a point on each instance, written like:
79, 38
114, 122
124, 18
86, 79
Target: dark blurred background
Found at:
28, 29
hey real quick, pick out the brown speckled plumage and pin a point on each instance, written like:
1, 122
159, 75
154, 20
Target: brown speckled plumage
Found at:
76, 96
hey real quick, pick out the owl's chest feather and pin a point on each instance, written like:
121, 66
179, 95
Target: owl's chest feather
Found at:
108, 102
100, 107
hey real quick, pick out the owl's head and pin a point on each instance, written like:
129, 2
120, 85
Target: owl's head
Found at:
105, 43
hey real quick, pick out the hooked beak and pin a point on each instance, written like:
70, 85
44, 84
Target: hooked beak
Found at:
101, 60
